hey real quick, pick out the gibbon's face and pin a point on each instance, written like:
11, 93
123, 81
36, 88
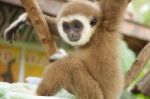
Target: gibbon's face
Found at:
77, 22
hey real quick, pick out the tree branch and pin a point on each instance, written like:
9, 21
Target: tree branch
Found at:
138, 65
41, 27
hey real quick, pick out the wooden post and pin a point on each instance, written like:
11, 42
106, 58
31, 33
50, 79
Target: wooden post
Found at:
40, 25
138, 65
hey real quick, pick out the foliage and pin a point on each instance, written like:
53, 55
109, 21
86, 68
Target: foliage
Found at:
127, 56
141, 96
127, 95
142, 8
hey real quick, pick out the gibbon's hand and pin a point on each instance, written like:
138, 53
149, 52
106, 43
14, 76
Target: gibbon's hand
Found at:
58, 55
129, 1
9, 33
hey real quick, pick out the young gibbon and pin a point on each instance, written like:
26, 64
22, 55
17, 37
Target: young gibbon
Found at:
92, 71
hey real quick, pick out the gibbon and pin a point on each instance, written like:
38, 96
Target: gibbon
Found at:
92, 70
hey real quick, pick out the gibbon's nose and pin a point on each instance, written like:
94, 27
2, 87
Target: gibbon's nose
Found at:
76, 24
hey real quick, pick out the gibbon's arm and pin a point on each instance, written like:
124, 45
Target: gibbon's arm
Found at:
23, 19
112, 12
51, 21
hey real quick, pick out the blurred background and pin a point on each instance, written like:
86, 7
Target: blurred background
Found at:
26, 57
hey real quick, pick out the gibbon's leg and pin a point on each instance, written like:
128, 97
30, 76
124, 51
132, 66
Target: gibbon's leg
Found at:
10, 31
69, 72
23, 19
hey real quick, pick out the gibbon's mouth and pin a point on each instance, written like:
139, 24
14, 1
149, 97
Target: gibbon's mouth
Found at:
73, 37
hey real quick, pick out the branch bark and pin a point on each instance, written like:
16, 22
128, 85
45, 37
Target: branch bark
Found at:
41, 27
138, 65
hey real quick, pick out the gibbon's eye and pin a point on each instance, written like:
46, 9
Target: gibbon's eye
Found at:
93, 21
65, 26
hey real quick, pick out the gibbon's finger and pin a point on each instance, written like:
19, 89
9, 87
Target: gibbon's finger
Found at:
9, 33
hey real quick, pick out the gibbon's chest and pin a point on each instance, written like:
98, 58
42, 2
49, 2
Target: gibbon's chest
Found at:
97, 63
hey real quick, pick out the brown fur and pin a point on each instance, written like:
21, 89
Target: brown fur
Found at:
91, 71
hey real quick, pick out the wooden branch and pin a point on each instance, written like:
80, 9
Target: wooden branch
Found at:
135, 29
138, 65
41, 27
143, 86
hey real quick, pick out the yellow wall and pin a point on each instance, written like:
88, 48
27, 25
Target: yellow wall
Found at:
34, 57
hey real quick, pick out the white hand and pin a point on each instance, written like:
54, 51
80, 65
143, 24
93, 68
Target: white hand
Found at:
58, 55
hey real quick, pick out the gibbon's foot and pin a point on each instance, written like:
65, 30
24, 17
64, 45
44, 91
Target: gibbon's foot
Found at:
58, 55
9, 33
43, 90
